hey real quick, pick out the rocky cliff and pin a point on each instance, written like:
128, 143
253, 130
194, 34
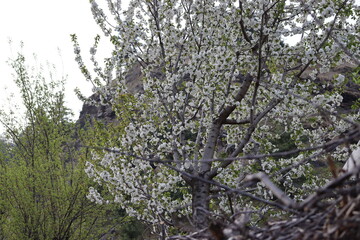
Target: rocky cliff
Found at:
351, 91
350, 94
105, 113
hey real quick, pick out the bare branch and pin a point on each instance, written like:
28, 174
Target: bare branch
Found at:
273, 188
236, 122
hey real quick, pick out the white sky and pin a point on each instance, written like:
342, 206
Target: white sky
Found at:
45, 26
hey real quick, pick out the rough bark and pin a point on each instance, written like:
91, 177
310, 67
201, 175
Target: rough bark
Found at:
201, 189
200, 203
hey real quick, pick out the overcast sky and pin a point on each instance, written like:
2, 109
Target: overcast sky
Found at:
45, 26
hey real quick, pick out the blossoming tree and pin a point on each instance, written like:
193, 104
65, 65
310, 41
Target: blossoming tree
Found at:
221, 85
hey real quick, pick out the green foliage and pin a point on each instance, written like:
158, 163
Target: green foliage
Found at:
43, 183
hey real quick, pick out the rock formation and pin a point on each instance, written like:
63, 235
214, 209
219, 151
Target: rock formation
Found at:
351, 92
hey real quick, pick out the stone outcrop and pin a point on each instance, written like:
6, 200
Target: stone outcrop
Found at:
351, 92
91, 111
133, 79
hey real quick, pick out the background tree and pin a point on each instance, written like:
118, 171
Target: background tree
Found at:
221, 87
44, 188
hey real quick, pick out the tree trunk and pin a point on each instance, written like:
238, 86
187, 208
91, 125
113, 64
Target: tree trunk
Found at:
201, 189
200, 203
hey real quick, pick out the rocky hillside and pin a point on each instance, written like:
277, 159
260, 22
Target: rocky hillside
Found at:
350, 94
351, 91
105, 113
